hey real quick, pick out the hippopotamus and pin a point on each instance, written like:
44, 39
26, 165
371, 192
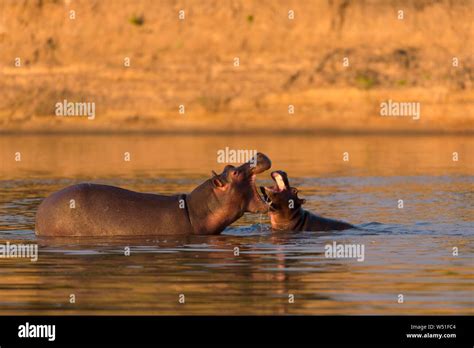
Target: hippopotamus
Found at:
286, 212
102, 210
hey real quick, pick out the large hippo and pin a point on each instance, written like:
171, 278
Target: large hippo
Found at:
286, 212
101, 210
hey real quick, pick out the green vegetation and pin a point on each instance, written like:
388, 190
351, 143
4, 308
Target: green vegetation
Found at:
364, 81
137, 20
402, 82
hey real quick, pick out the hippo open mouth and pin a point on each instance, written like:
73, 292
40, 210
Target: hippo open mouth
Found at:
281, 183
257, 165
253, 181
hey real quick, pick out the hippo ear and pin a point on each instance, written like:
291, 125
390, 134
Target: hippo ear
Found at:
216, 180
295, 191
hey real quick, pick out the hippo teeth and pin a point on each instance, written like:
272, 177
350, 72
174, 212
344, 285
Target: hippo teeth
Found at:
264, 195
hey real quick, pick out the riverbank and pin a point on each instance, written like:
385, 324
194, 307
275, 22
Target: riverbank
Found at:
146, 70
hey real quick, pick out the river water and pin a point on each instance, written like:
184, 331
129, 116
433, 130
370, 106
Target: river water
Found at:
408, 251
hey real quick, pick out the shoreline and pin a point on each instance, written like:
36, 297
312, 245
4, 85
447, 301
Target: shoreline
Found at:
200, 132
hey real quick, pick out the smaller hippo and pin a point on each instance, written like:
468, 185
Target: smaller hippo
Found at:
286, 213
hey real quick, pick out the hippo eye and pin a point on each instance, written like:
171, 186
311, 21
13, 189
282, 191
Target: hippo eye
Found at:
294, 190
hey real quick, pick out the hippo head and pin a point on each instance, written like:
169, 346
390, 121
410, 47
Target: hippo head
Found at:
282, 198
235, 188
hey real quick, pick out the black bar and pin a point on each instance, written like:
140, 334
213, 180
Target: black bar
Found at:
241, 330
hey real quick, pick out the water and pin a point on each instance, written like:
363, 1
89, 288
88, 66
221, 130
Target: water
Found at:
408, 251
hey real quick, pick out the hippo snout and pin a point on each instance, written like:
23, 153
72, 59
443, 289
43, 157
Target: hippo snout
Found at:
258, 164
263, 163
